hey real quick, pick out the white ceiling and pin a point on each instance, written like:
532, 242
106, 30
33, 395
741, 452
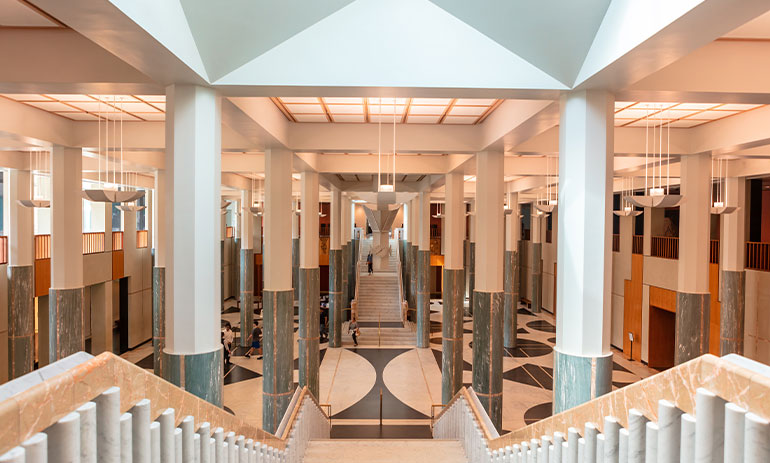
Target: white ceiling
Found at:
757, 28
126, 108
18, 13
676, 115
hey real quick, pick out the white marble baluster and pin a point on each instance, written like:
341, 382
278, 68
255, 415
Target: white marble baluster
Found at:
558, 439
167, 441
126, 438
545, 446
581, 450
64, 439
734, 427
188, 444
231, 450
108, 426
756, 440
687, 439
212, 449
178, 446
589, 455
15, 455
196, 447
36, 448
637, 423
219, 440
565, 455
154, 442
249, 450
651, 443
669, 432
600, 447
609, 454
623, 445
572, 445
709, 427
204, 431
516, 450
534, 444
87, 413
140, 430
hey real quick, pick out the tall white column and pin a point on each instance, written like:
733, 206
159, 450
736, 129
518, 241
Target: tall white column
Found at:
582, 358
18, 223
192, 356
246, 268
66, 293
423, 267
692, 298
309, 285
732, 278
472, 252
536, 254
511, 271
453, 294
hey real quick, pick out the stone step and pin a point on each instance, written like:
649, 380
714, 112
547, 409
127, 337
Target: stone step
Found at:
385, 450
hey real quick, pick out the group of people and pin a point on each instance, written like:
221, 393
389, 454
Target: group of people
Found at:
228, 342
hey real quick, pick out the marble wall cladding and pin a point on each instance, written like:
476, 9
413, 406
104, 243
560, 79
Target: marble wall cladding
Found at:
278, 364
404, 276
732, 312
423, 299
692, 326
65, 322
295, 267
158, 318
510, 302
578, 379
452, 333
247, 295
335, 296
733, 383
488, 353
33, 410
413, 276
199, 374
757, 318
537, 277
21, 321
309, 328
345, 275
471, 276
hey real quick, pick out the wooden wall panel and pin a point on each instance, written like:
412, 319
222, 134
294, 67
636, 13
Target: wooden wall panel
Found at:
42, 277
663, 299
714, 309
662, 338
632, 307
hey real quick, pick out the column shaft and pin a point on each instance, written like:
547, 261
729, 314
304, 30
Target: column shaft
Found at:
472, 257
453, 292
309, 286
582, 358
537, 260
335, 272
159, 221
66, 294
732, 279
488, 288
423, 277
511, 272
246, 269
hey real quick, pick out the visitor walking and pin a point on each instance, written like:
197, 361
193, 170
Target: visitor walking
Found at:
256, 341
354, 330
369, 263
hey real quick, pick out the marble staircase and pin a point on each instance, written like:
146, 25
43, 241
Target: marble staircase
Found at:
385, 450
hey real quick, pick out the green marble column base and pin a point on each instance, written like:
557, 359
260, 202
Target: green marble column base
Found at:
65, 322
537, 277
309, 328
278, 364
452, 333
200, 374
335, 298
732, 312
406, 276
246, 296
295, 267
692, 326
578, 379
510, 303
21, 320
345, 275
423, 299
158, 318
471, 277
413, 275
488, 353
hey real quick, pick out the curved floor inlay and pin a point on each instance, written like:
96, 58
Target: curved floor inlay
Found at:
538, 412
345, 378
541, 325
414, 380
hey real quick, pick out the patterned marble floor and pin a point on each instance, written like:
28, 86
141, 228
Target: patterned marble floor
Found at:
409, 379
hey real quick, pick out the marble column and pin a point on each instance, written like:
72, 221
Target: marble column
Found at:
21, 284
101, 296
278, 296
407, 254
309, 286
582, 357
335, 272
295, 253
692, 297
511, 272
536, 253
453, 293
159, 220
423, 277
346, 248
192, 356
66, 296
732, 277
488, 288
472, 257
246, 267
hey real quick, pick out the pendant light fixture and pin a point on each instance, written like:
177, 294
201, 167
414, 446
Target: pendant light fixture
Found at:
389, 184
256, 205
626, 191
33, 200
719, 204
439, 211
656, 194
111, 190
549, 202
131, 206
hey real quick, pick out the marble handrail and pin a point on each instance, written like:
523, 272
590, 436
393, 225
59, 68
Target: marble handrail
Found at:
33, 410
479, 415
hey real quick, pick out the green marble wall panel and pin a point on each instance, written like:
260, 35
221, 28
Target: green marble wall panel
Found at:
335, 296
278, 363
537, 277
578, 379
309, 328
246, 295
488, 353
65, 322
452, 333
158, 318
732, 312
692, 326
510, 289
423, 299
21, 321
200, 374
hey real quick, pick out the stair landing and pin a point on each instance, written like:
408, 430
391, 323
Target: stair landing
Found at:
385, 450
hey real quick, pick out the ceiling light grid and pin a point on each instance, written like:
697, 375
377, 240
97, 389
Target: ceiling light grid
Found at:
129, 108
463, 111
677, 115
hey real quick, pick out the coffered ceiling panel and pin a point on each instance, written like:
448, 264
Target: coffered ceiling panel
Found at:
678, 115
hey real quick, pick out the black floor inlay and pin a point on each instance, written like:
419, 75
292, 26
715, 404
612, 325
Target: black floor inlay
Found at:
528, 348
532, 375
538, 412
238, 373
438, 355
522, 331
322, 353
368, 407
617, 367
541, 325
232, 309
146, 363
551, 340
381, 432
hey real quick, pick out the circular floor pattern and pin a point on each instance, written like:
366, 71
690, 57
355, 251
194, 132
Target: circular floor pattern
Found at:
538, 412
542, 325
552, 340
436, 341
525, 348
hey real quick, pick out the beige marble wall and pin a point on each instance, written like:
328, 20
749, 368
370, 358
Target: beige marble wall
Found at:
38, 407
757, 326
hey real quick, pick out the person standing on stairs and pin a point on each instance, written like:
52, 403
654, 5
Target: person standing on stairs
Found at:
354, 330
369, 263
